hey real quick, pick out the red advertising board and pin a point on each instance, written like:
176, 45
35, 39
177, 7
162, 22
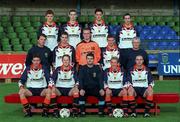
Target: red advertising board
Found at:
12, 65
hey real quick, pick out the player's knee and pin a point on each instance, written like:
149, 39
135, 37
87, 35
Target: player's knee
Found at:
21, 92
48, 92
130, 91
124, 92
108, 93
150, 92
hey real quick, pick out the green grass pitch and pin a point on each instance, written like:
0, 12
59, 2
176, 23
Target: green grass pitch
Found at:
13, 112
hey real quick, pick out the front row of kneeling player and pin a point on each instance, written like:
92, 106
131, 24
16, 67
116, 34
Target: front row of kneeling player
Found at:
91, 81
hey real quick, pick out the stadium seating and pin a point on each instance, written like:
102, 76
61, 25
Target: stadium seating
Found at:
19, 33
149, 27
158, 99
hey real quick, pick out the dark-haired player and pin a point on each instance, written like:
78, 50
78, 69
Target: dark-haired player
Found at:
34, 82
91, 84
51, 30
63, 48
43, 51
111, 50
125, 36
73, 28
99, 30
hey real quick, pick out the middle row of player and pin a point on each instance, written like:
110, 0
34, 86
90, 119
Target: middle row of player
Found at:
78, 57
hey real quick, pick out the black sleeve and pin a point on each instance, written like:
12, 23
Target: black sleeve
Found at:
59, 33
55, 75
23, 78
105, 78
150, 78
81, 35
124, 77
146, 59
100, 77
73, 56
40, 30
29, 57
108, 29
128, 77
117, 35
101, 60
50, 57
54, 55
46, 74
120, 56
81, 78
75, 76
62, 29
137, 33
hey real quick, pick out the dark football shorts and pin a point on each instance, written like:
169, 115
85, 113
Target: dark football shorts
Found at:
64, 91
36, 91
140, 91
115, 92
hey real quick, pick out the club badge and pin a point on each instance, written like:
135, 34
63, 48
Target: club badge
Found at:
94, 74
46, 55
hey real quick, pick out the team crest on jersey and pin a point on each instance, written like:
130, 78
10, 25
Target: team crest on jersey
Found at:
46, 55
36, 75
94, 74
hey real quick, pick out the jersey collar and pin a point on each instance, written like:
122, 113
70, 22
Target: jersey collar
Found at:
63, 46
136, 69
130, 26
53, 24
39, 67
96, 22
67, 69
117, 70
75, 24
110, 49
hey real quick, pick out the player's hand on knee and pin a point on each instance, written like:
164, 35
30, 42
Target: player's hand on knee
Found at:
108, 91
82, 92
124, 92
76, 90
149, 90
102, 92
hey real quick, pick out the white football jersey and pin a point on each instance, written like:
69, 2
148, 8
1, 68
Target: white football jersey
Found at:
107, 55
59, 54
36, 79
65, 79
52, 35
125, 38
139, 78
99, 34
74, 33
115, 80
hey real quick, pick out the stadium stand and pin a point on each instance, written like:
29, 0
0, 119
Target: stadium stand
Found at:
19, 33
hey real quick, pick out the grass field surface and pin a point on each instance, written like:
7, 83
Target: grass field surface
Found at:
169, 112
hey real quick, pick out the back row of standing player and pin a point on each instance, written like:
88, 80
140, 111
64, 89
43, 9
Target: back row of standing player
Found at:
72, 40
